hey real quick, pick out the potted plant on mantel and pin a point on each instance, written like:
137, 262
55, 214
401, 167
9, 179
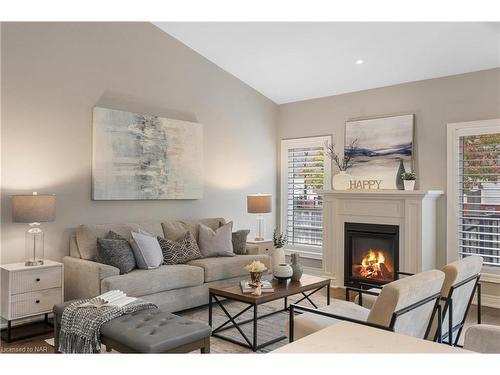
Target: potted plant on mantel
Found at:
341, 180
409, 180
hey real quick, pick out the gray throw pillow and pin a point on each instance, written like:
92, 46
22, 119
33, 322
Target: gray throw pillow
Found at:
180, 251
114, 250
216, 243
147, 250
240, 241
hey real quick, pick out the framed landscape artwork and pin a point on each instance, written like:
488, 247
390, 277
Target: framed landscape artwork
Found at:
379, 145
139, 156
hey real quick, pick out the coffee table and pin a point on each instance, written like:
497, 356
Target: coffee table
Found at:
307, 286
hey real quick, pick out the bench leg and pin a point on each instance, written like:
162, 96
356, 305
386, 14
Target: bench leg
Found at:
205, 349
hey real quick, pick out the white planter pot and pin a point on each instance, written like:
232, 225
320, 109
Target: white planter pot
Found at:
277, 256
409, 184
341, 181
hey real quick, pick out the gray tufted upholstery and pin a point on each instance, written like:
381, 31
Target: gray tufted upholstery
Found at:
149, 331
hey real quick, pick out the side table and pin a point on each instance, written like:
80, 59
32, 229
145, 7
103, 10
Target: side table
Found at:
28, 291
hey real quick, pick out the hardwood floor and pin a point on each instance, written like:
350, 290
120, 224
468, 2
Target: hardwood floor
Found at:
37, 345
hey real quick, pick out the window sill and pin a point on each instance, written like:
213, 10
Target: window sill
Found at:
304, 254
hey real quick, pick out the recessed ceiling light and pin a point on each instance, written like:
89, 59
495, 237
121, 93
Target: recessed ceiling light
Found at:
359, 62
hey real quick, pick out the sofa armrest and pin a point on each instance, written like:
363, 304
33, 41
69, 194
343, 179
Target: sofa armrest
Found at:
82, 278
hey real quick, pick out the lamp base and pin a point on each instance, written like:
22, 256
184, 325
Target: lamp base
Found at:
33, 262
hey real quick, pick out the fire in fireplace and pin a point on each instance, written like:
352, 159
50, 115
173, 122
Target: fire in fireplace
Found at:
371, 253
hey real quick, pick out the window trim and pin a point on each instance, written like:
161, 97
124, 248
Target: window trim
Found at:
285, 144
454, 132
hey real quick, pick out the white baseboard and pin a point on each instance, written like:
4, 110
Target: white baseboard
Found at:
489, 300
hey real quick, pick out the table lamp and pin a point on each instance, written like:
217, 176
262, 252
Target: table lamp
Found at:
34, 209
259, 204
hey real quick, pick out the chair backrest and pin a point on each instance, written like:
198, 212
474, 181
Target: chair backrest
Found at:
405, 292
455, 273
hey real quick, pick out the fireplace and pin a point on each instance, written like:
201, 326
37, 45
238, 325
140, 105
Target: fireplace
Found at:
371, 253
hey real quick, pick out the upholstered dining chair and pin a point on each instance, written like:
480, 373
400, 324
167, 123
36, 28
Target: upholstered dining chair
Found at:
483, 338
460, 284
406, 306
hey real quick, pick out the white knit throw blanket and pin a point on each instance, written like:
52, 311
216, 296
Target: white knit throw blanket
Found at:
81, 327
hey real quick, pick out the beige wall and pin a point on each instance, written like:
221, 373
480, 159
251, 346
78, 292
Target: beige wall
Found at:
435, 102
52, 76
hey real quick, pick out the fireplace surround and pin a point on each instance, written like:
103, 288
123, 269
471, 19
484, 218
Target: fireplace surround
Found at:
414, 212
371, 253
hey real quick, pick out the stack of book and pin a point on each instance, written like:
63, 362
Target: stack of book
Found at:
115, 298
266, 286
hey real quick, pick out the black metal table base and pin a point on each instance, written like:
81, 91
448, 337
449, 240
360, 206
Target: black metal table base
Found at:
28, 330
251, 344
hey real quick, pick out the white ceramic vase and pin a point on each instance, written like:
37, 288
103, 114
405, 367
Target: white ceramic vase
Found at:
409, 184
282, 272
341, 181
277, 256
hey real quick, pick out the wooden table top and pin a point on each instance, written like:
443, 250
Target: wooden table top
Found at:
281, 290
347, 337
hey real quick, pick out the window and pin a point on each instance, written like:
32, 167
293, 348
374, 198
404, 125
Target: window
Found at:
304, 171
474, 189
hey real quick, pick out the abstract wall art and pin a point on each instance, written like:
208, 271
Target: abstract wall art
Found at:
139, 156
379, 146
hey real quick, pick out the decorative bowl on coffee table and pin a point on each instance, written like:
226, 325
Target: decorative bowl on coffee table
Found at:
282, 272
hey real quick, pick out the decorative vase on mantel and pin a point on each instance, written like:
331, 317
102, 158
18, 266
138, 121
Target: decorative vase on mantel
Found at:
341, 181
399, 175
297, 268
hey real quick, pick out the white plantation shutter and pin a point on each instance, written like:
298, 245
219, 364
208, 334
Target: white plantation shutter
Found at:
305, 169
478, 193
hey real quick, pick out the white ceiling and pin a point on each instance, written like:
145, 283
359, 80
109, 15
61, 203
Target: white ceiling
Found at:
296, 61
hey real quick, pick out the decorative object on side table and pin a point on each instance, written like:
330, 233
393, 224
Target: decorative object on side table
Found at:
256, 268
279, 240
282, 272
259, 204
297, 268
34, 209
409, 180
342, 180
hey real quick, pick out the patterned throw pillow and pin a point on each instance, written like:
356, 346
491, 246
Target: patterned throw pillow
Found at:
114, 250
180, 251
240, 241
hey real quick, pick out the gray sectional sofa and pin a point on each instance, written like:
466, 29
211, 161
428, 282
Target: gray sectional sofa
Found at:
172, 287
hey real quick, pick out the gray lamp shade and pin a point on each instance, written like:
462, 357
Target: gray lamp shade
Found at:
259, 203
33, 208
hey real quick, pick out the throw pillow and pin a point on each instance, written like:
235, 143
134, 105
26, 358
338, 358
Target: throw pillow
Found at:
240, 241
147, 250
216, 243
114, 250
181, 251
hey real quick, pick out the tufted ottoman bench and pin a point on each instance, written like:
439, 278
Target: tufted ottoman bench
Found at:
148, 331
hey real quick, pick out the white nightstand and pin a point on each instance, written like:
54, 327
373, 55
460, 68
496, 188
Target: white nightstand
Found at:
29, 291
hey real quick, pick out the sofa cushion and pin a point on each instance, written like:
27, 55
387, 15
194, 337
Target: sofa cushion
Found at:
143, 282
147, 250
239, 239
179, 252
116, 253
221, 268
87, 235
174, 230
216, 243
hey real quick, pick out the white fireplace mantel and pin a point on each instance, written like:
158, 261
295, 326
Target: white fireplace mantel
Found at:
413, 211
